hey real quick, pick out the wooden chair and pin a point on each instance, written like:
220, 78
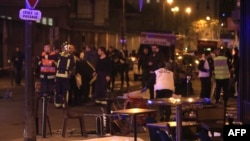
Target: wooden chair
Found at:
68, 114
212, 119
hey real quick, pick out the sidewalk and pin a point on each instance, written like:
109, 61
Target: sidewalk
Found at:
13, 111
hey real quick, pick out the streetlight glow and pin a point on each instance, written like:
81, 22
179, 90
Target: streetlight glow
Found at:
188, 10
169, 1
175, 9
208, 18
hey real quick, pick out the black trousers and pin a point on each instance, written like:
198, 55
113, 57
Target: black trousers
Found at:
224, 85
62, 87
165, 111
205, 87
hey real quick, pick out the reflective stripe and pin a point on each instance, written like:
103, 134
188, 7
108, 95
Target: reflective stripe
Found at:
48, 77
68, 63
92, 80
90, 65
41, 76
64, 75
51, 77
57, 65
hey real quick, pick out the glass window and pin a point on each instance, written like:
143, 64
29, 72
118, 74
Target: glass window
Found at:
50, 21
44, 20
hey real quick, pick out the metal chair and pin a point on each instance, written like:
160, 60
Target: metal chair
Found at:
68, 114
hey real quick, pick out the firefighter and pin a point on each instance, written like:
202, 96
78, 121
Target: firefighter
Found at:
73, 98
65, 65
47, 69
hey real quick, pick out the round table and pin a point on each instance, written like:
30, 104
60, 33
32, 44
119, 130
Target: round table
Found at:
177, 102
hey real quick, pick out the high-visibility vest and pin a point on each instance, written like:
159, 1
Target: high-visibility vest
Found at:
47, 65
221, 69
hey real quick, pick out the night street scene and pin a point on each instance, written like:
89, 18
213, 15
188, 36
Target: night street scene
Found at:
124, 70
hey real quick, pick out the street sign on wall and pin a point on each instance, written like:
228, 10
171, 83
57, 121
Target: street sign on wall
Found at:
32, 15
31, 4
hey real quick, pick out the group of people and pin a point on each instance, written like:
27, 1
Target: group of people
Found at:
80, 76
158, 77
218, 72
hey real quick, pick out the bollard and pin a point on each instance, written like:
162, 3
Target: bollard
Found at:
188, 85
44, 114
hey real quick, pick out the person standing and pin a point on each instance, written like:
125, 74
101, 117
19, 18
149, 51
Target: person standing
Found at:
90, 55
73, 97
155, 59
222, 76
84, 70
205, 71
143, 62
103, 72
235, 69
18, 61
47, 69
65, 64
124, 66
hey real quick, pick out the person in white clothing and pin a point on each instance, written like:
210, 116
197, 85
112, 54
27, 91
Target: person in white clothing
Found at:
164, 88
205, 70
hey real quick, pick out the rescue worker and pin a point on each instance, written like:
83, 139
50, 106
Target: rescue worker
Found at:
164, 87
74, 98
222, 75
84, 70
47, 69
65, 65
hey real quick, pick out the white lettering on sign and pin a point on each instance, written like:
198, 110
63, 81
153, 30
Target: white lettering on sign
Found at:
32, 15
237, 132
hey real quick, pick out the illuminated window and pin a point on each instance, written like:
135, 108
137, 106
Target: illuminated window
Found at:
44, 20
148, 1
50, 21
6, 17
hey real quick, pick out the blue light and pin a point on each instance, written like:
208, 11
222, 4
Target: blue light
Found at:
207, 101
149, 102
123, 40
223, 14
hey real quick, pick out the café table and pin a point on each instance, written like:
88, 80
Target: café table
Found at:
134, 112
177, 102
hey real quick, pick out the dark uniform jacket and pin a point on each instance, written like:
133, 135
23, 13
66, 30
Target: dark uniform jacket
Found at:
65, 65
